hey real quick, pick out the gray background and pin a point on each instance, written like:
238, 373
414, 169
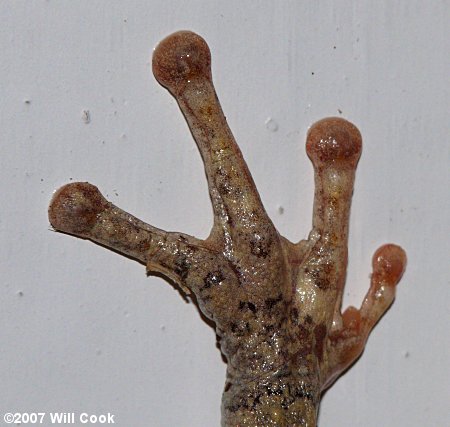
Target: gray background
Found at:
83, 329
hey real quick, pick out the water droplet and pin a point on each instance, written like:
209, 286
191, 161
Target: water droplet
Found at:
271, 125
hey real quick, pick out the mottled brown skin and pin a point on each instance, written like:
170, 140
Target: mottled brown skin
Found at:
276, 305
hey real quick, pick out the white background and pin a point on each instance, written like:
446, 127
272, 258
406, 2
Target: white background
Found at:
83, 329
